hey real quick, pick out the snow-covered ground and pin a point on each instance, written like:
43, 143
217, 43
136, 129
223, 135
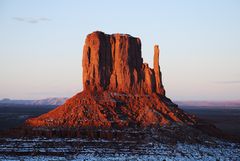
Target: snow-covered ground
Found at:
83, 149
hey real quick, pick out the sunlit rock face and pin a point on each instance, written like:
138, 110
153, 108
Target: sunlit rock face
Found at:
119, 89
115, 63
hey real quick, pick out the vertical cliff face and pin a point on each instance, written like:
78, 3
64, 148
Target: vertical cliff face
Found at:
114, 63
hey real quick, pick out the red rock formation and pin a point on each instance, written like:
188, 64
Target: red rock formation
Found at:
119, 89
114, 63
158, 75
109, 109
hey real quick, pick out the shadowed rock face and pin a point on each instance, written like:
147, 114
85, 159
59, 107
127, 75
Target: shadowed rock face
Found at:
119, 89
115, 63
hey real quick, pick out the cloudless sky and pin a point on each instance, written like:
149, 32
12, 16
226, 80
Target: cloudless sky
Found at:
41, 44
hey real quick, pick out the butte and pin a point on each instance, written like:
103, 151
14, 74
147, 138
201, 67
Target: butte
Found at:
119, 90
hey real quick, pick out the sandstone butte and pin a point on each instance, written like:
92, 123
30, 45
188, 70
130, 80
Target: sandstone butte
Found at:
119, 90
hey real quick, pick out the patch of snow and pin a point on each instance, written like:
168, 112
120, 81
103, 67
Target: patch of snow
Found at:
100, 149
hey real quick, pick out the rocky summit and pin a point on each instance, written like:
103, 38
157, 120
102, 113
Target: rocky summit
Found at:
115, 63
119, 89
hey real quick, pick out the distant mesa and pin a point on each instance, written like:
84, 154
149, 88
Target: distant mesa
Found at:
54, 101
119, 89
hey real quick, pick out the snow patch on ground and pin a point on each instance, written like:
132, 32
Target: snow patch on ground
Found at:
84, 149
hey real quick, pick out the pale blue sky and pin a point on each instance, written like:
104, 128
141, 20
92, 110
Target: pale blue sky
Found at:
41, 44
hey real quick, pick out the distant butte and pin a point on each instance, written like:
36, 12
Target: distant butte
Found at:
119, 89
